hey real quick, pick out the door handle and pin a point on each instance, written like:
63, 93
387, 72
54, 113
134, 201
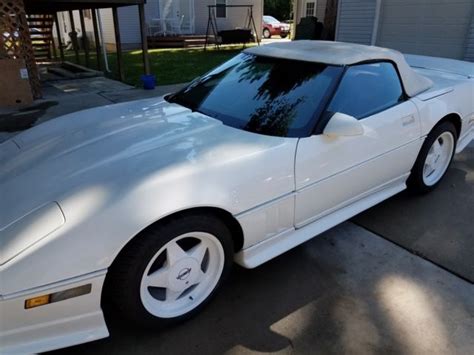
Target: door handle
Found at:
408, 120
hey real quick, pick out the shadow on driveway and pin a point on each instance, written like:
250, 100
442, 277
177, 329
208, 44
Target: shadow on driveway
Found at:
438, 226
347, 291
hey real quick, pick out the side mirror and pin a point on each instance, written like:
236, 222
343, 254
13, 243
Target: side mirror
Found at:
341, 124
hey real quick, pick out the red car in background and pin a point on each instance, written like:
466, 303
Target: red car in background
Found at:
271, 27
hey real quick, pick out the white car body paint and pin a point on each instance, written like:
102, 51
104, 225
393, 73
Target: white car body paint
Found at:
54, 326
115, 170
452, 94
345, 167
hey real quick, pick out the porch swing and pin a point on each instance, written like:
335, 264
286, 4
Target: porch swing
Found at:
237, 35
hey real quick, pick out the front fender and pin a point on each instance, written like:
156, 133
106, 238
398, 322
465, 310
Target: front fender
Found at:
103, 216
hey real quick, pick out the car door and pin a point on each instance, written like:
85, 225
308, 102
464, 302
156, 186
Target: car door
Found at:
333, 172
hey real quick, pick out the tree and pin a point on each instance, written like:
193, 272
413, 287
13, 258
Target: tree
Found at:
280, 9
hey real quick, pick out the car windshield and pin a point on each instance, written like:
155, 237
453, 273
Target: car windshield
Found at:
263, 95
270, 19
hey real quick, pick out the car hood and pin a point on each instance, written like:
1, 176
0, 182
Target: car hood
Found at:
40, 164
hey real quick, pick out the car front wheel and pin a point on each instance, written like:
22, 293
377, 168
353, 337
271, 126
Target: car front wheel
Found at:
266, 33
434, 158
168, 273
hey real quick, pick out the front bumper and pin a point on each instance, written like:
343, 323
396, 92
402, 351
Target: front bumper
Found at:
283, 31
56, 325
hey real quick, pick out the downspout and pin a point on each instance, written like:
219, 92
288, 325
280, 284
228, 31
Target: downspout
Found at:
375, 27
338, 16
101, 36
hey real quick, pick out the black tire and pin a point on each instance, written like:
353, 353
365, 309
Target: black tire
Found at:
122, 286
415, 182
284, 36
266, 33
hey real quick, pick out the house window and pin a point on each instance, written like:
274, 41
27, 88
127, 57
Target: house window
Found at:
221, 10
310, 8
87, 14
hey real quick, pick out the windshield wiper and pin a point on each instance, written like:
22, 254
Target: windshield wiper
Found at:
174, 99
171, 98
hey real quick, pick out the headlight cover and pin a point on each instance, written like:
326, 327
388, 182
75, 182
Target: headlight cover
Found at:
29, 229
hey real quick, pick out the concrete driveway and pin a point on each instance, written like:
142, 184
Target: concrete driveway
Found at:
347, 291
437, 226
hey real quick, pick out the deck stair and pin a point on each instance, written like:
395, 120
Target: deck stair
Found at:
41, 34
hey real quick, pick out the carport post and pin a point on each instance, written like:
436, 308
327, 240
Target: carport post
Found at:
74, 36
118, 44
53, 44
96, 39
146, 59
58, 34
85, 44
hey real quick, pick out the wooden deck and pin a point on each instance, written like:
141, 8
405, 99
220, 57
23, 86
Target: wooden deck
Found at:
177, 41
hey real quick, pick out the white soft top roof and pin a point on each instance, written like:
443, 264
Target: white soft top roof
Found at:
341, 53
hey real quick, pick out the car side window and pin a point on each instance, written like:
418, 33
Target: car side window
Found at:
367, 89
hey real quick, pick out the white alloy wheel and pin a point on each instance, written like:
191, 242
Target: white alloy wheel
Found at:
438, 158
182, 274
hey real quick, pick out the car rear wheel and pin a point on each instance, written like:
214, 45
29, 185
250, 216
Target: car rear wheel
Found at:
266, 33
284, 35
168, 273
434, 158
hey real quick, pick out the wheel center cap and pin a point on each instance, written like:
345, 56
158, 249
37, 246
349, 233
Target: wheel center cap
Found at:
183, 274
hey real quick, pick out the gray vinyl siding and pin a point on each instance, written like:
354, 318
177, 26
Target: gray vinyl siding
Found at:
130, 25
355, 21
430, 27
443, 28
469, 55
152, 9
107, 25
201, 15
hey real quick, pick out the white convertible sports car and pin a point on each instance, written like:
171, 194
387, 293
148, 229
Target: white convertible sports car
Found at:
145, 205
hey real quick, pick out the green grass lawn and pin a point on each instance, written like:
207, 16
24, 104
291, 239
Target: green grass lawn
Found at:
170, 66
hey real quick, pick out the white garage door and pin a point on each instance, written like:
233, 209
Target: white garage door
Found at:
430, 27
